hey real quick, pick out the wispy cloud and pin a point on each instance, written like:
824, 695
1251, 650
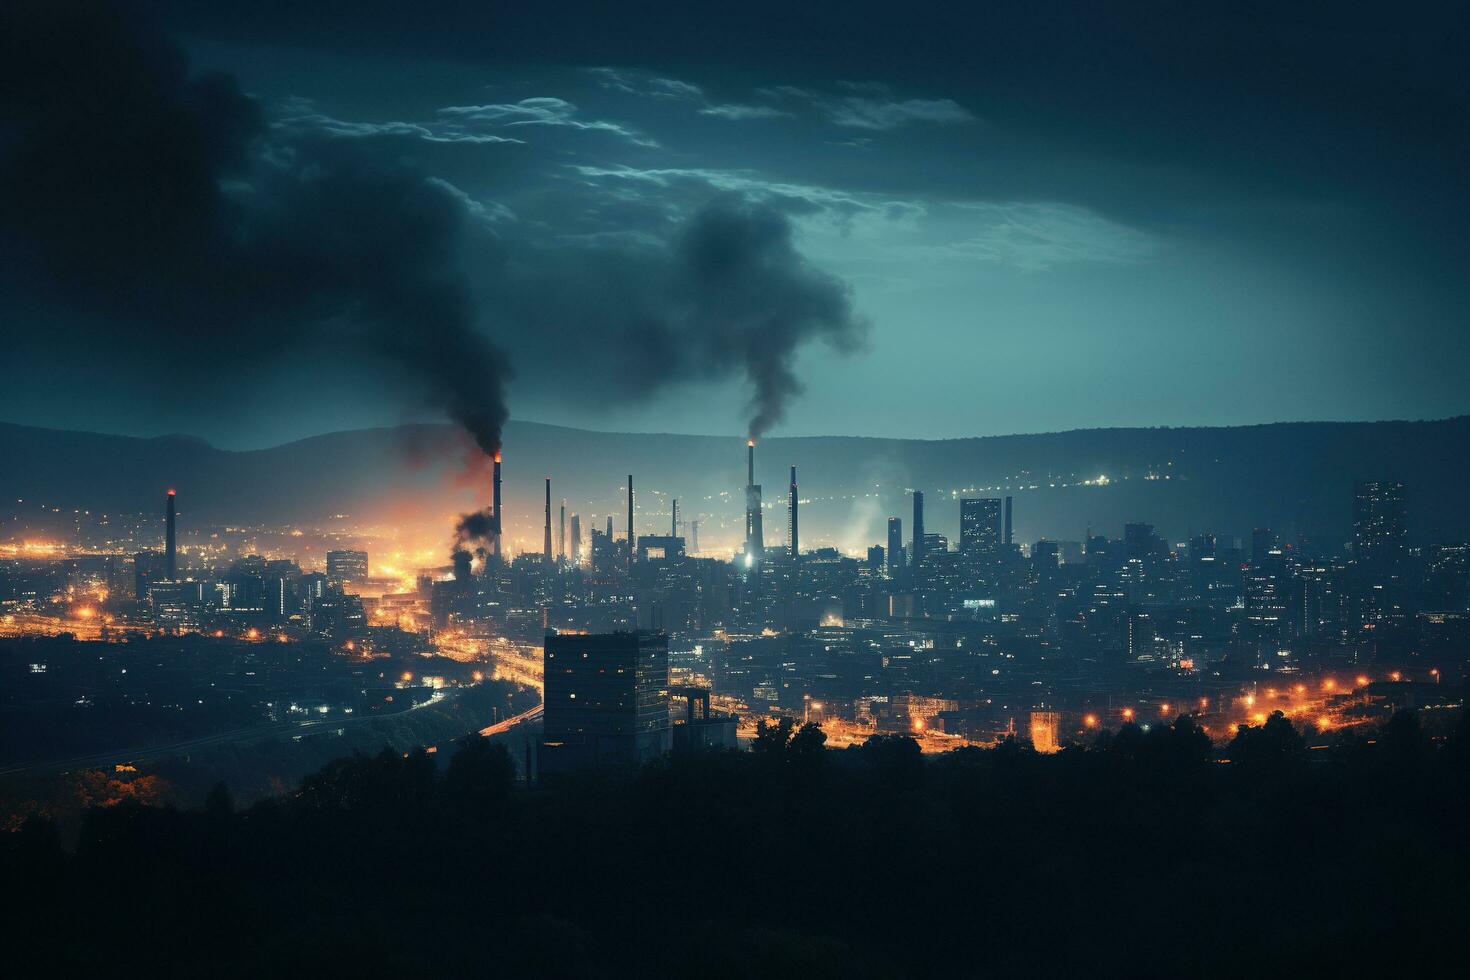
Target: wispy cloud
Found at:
872, 105
632, 81
541, 111
738, 111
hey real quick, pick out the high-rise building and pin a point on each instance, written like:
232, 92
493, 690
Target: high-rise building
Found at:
546, 555
561, 532
171, 543
1378, 522
347, 566
895, 546
1044, 728
1008, 521
606, 700
791, 516
1263, 542
576, 539
980, 526
918, 529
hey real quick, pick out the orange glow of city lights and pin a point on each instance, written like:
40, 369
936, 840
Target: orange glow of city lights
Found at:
1204, 702
1127, 714
219, 633
918, 722
407, 676
1090, 721
1324, 723
1164, 708
86, 612
1362, 680
350, 645
252, 634
478, 676
1301, 688
1259, 717
1329, 684
1396, 676
1250, 700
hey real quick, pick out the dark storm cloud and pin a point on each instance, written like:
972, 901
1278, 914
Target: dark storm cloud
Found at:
151, 201
724, 294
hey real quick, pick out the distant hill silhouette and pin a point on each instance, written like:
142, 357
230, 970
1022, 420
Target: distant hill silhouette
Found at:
1289, 476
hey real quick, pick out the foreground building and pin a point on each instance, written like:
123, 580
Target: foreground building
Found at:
607, 700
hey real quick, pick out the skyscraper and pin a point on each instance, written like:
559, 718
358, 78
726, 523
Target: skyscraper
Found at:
895, 546
170, 546
632, 543
561, 531
1378, 522
791, 516
980, 526
546, 542
918, 529
576, 539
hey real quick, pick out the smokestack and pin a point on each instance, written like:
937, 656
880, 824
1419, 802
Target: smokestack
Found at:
674, 520
1008, 522
546, 542
495, 505
631, 543
561, 532
576, 539
755, 543
170, 542
791, 530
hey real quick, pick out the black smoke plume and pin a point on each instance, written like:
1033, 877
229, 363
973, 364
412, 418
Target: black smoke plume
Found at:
152, 213
475, 527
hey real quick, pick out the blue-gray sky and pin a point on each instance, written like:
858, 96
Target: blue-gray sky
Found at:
949, 222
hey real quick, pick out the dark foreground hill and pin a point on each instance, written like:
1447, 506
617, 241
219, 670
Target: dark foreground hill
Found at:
1142, 856
1290, 476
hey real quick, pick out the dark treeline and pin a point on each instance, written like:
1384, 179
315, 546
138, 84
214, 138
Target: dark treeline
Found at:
1143, 855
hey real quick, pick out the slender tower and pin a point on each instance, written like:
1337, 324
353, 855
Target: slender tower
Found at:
561, 532
546, 541
171, 542
631, 543
918, 555
1008, 521
495, 505
576, 539
755, 546
694, 537
674, 520
791, 517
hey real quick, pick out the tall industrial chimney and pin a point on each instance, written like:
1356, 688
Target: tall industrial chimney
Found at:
755, 545
791, 517
546, 542
170, 542
576, 539
1008, 521
561, 532
495, 505
674, 520
632, 544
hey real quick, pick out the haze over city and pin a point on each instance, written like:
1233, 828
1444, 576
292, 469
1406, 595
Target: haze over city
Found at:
836, 490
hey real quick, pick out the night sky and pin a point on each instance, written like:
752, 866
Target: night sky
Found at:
278, 218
